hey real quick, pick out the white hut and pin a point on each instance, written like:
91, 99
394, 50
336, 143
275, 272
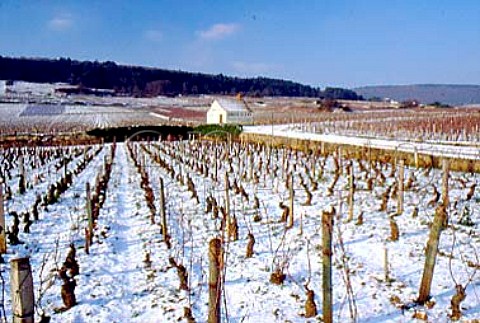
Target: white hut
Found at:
229, 111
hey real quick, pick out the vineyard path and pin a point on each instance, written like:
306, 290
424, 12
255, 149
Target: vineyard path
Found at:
113, 269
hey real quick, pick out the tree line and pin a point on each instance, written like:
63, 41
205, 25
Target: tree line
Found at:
145, 81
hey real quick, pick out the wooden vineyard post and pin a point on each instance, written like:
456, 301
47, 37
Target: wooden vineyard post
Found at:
369, 158
227, 198
163, 214
385, 264
89, 213
351, 192
87, 241
215, 255
340, 162
327, 231
3, 242
431, 253
21, 284
292, 196
215, 163
22, 181
445, 175
250, 171
400, 197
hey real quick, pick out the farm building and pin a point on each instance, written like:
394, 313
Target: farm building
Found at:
229, 111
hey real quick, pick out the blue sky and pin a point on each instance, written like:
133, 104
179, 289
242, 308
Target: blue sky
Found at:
322, 43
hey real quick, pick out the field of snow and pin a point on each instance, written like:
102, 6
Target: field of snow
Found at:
21, 118
127, 275
453, 149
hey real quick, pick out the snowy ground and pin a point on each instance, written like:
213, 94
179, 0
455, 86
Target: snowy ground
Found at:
469, 150
116, 285
23, 118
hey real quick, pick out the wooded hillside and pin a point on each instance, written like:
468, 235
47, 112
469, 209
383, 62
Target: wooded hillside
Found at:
144, 81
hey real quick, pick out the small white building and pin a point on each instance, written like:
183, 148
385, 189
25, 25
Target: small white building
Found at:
233, 111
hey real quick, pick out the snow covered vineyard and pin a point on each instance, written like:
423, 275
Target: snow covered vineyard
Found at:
464, 155
21, 118
137, 245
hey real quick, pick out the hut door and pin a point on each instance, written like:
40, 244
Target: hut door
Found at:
220, 120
